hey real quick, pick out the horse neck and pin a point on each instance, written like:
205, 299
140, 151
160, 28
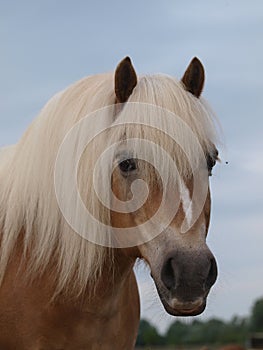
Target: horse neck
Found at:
116, 271
114, 286
104, 296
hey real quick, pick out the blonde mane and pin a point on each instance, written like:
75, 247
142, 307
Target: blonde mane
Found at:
27, 199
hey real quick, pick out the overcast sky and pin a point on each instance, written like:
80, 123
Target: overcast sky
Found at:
47, 45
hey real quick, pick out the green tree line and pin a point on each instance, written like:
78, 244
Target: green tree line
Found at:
213, 331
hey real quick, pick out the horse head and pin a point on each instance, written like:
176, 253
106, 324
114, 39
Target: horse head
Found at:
182, 266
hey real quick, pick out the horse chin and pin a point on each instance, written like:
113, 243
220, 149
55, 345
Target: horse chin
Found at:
176, 307
184, 309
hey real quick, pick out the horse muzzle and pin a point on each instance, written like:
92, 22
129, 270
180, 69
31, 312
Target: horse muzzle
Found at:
185, 280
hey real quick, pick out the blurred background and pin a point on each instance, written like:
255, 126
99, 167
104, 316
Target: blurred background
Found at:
47, 45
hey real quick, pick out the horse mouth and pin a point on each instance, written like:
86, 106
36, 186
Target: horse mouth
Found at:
184, 309
177, 307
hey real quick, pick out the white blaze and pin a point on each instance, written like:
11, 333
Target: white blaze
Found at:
186, 202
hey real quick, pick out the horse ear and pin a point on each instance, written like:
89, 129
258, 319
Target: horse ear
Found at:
125, 80
194, 77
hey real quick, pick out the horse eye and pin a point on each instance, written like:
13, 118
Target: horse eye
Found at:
128, 165
211, 161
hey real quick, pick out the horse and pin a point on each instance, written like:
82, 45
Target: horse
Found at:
115, 168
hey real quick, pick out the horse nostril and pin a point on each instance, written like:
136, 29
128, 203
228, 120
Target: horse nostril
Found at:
212, 274
167, 274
